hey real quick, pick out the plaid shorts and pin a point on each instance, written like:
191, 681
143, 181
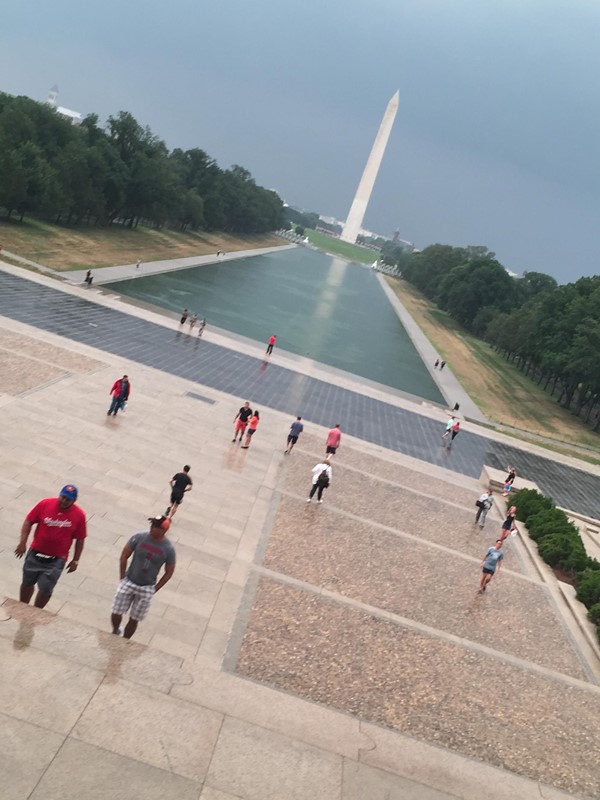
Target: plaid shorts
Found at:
130, 595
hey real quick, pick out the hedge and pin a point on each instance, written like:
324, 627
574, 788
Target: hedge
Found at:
559, 544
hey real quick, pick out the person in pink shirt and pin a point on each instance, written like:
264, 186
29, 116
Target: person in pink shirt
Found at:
271, 345
334, 437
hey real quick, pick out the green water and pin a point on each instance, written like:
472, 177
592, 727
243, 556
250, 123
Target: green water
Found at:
318, 306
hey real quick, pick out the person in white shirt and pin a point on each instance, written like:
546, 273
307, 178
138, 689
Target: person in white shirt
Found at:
321, 479
448, 430
484, 504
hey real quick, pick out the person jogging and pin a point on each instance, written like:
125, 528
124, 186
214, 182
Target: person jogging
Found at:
180, 484
296, 429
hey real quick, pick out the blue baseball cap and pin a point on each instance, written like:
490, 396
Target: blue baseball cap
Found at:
69, 491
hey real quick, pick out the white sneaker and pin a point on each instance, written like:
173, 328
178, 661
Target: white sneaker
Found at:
308, 500
319, 501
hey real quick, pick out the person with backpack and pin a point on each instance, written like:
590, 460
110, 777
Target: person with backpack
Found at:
484, 504
321, 479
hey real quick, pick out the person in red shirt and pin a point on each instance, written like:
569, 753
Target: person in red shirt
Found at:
58, 522
271, 344
120, 395
334, 437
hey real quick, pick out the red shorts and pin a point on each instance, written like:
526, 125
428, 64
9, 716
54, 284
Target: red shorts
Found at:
240, 425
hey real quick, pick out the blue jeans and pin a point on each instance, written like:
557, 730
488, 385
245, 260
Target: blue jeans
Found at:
116, 404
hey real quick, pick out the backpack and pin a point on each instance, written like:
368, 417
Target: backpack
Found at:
323, 479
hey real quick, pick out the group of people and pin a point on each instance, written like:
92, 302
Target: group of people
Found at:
440, 364
192, 319
452, 430
492, 560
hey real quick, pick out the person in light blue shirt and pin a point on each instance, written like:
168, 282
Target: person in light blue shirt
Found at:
491, 562
296, 429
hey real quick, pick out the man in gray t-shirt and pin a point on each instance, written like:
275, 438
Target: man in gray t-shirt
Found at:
491, 562
148, 553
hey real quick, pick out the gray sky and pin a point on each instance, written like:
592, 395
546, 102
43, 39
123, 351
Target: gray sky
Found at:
496, 140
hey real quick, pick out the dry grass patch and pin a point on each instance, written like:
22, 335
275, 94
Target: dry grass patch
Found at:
502, 392
82, 248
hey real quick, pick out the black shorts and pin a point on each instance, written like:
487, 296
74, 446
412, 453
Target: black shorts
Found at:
331, 449
488, 571
292, 439
176, 498
251, 431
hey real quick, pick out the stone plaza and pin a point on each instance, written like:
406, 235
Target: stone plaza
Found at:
336, 651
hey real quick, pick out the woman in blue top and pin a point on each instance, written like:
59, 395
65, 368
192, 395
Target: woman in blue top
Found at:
491, 562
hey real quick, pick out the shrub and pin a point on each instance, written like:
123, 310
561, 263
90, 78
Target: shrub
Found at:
588, 590
529, 502
547, 522
594, 613
557, 549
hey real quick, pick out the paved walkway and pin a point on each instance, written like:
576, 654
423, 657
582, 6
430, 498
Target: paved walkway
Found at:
447, 382
268, 384
126, 272
336, 651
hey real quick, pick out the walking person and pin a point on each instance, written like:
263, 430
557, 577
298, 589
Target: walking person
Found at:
88, 277
120, 395
201, 327
193, 320
180, 483
138, 584
334, 437
184, 315
448, 430
252, 426
509, 480
58, 523
437, 363
455, 431
241, 421
271, 344
322, 475
484, 504
490, 564
442, 365
296, 429
508, 526
137, 265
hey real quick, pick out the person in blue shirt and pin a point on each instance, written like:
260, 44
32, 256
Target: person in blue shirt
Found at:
295, 431
491, 562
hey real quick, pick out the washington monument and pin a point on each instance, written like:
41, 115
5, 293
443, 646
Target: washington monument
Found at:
365, 187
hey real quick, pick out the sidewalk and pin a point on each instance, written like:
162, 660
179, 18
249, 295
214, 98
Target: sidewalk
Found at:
125, 272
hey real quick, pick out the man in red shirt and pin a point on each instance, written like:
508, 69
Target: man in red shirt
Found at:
334, 437
58, 522
271, 345
120, 395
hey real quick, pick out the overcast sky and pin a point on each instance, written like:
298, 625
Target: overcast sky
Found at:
496, 139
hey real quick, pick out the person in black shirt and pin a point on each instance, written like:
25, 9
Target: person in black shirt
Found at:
180, 484
241, 421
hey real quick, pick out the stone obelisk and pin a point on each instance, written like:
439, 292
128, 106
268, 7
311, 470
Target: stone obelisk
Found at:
365, 187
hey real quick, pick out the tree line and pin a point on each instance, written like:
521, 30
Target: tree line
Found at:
120, 173
550, 332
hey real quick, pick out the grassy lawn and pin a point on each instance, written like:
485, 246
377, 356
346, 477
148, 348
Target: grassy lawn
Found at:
338, 248
80, 248
502, 392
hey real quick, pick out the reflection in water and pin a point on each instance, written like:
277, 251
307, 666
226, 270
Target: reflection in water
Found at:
322, 307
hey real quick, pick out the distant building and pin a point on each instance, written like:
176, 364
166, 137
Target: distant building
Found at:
75, 117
